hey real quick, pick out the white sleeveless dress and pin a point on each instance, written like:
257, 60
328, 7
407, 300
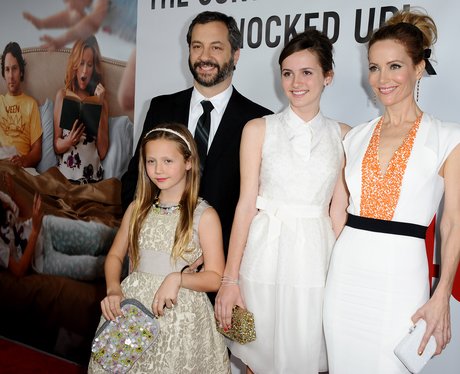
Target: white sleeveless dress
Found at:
377, 281
283, 270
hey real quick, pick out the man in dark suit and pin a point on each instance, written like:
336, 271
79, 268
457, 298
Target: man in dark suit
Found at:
214, 49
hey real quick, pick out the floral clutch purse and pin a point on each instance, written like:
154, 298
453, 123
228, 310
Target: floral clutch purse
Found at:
118, 344
243, 328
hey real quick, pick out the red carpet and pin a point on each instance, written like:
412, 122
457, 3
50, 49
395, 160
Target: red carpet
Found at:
16, 358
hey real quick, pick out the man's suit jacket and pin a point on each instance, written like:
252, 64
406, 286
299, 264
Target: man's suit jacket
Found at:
220, 182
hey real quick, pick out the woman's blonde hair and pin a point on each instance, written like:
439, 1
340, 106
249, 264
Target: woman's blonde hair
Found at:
147, 191
76, 55
413, 29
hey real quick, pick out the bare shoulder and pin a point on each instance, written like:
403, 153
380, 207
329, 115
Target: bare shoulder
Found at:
60, 94
344, 128
128, 213
209, 221
255, 123
450, 170
209, 215
254, 128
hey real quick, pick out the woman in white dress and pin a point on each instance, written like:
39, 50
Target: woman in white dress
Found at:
397, 168
282, 235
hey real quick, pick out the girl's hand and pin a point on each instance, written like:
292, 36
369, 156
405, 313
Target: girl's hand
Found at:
228, 296
76, 133
196, 265
110, 306
436, 313
99, 91
37, 213
166, 294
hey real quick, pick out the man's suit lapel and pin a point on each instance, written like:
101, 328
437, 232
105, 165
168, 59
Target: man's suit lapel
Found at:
181, 107
226, 126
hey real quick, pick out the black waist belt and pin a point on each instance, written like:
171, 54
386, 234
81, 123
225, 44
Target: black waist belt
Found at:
387, 227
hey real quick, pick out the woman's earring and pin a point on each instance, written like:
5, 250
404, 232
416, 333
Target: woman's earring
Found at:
374, 98
418, 89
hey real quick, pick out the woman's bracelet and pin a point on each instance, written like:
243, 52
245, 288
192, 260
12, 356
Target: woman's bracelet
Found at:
228, 281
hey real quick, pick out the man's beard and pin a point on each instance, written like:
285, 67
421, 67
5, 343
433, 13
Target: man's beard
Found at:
222, 72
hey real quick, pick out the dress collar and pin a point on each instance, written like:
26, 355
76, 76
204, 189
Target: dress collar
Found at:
293, 120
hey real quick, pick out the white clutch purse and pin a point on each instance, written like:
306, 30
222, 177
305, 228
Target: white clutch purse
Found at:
407, 349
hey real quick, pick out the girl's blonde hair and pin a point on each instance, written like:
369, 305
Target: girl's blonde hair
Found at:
147, 191
76, 55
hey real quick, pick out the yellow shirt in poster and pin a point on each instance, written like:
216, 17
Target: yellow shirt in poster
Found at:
19, 122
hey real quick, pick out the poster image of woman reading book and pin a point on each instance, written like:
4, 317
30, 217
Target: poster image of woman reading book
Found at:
79, 147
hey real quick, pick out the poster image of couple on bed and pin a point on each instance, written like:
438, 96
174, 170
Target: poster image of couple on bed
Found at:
61, 285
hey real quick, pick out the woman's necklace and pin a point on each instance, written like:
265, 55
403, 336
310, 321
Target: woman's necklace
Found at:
165, 209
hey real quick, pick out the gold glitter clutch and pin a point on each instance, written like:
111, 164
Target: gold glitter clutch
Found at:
243, 329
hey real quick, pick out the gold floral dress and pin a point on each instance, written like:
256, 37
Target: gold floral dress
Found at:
188, 341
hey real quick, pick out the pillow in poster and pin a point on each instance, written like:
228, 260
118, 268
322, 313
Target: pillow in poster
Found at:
48, 156
117, 159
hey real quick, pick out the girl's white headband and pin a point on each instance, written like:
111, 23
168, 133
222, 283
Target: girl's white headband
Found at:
172, 132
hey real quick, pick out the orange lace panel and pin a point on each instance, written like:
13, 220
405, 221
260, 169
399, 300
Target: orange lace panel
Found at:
380, 193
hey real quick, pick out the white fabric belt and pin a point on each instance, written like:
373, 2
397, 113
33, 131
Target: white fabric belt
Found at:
280, 214
280, 210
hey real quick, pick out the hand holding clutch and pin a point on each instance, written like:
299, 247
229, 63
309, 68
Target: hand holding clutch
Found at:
407, 348
243, 329
119, 344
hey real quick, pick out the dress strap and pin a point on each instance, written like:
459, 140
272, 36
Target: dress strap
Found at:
201, 206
